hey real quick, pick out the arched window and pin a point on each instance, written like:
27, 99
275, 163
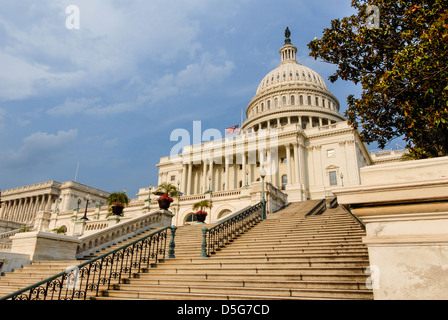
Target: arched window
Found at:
191, 218
262, 107
284, 101
284, 181
223, 213
317, 101
293, 100
301, 100
269, 104
309, 100
275, 102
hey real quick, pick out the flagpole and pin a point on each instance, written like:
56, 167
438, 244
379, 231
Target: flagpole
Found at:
76, 174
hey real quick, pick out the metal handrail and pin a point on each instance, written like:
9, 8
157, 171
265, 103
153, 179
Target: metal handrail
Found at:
318, 208
105, 270
224, 232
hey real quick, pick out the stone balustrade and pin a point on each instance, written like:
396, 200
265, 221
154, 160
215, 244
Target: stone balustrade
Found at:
115, 233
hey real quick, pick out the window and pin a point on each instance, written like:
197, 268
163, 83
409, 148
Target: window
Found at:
269, 104
262, 107
293, 100
301, 100
191, 218
173, 178
284, 101
317, 101
284, 160
309, 100
323, 103
284, 181
330, 153
275, 102
333, 178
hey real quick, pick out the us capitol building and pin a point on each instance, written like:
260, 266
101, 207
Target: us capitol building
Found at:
294, 131
294, 146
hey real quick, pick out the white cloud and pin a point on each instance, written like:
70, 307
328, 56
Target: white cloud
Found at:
71, 107
40, 54
90, 106
200, 75
39, 147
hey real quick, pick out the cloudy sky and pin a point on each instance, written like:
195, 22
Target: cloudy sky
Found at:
107, 93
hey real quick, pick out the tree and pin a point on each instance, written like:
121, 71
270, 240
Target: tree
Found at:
402, 66
203, 204
167, 189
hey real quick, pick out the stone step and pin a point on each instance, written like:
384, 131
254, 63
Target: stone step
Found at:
354, 285
224, 269
141, 290
294, 276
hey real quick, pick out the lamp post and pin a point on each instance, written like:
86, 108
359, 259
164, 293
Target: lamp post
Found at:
263, 200
85, 212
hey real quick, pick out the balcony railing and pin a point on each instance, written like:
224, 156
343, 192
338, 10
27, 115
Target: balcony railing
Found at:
77, 283
224, 232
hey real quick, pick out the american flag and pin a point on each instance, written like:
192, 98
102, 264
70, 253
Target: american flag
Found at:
232, 130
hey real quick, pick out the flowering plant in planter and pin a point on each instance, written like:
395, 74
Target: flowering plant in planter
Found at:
117, 201
201, 205
166, 191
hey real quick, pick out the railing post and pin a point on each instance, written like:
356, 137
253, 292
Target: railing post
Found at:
204, 243
171, 251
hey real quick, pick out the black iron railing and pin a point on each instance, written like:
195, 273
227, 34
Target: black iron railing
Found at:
333, 203
87, 279
223, 233
318, 208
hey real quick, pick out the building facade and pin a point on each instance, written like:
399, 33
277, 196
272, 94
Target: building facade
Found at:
293, 130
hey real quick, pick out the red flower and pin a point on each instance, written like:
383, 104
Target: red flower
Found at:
118, 204
165, 196
201, 212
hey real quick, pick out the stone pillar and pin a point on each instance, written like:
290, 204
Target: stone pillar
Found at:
204, 177
189, 182
184, 178
243, 172
227, 160
212, 185
297, 164
288, 164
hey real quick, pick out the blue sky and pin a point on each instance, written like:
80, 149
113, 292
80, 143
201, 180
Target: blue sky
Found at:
109, 94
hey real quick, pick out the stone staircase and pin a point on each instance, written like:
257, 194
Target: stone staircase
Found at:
286, 257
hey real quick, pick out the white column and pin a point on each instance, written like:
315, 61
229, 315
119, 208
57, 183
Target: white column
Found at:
303, 165
288, 163
243, 172
212, 182
190, 171
297, 163
204, 177
184, 179
227, 173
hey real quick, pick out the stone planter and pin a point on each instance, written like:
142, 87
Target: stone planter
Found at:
200, 217
117, 210
164, 203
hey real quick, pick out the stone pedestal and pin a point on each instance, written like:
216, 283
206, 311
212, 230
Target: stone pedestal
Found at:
78, 230
42, 221
43, 246
113, 220
404, 207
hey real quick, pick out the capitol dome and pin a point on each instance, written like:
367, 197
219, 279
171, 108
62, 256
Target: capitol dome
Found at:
291, 94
